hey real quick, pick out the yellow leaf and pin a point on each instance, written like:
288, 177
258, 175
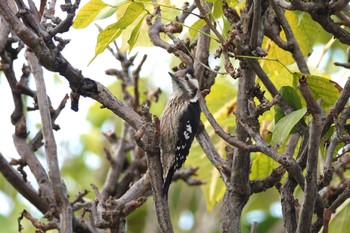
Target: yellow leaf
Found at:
113, 31
321, 87
93, 10
196, 26
262, 166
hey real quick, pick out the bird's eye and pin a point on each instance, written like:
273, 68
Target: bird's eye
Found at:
186, 78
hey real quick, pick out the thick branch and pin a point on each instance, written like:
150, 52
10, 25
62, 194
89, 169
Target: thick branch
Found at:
238, 191
256, 24
201, 57
212, 154
305, 218
16, 180
150, 134
155, 170
36, 168
58, 187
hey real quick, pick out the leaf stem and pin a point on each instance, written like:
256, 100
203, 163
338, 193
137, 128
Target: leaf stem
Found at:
263, 58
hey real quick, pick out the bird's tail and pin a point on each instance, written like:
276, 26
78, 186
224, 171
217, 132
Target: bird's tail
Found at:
167, 181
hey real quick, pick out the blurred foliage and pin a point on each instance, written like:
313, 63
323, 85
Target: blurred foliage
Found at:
221, 102
340, 221
129, 24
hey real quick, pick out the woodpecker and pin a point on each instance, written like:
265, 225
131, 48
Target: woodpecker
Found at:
178, 124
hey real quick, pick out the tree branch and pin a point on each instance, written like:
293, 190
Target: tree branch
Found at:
238, 191
232, 140
310, 191
154, 34
212, 154
36, 168
58, 187
293, 44
155, 170
12, 176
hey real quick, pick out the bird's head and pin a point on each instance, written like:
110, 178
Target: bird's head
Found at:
185, 83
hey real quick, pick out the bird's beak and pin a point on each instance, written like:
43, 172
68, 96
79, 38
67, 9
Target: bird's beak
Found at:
176, 81
173, 76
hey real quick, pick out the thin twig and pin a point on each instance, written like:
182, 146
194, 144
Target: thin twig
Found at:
310, 192
328, 212
212, 154
255, 24
232, 140
293, 44
208, 21
25, 189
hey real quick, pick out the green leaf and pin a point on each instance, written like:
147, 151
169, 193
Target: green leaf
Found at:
304, 29
132, 12
321, 88
113, 31
217, 9
193, 30
340, 220
135, 34
261, 166
94, 10
105, 37
285, 125
279, 113
290, 95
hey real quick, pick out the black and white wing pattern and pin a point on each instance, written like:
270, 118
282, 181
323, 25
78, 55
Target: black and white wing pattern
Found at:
187, 130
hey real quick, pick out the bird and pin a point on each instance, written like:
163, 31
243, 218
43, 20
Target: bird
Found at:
179, 123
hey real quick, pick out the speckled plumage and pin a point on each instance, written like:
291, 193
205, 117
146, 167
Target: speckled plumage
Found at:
178, 124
